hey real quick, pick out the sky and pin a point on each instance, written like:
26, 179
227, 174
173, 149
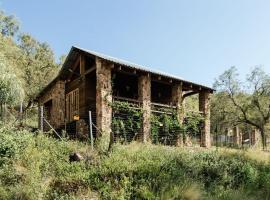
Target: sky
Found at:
194, 39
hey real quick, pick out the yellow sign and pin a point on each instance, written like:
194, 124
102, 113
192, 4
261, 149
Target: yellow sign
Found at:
76, 117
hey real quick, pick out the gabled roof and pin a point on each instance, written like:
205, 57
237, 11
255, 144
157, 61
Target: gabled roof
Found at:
72, 56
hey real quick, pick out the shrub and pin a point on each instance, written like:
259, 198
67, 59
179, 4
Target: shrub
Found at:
35, 166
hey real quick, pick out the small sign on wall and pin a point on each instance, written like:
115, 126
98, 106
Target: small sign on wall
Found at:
76, 117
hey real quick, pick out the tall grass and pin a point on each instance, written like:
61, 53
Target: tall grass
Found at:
34, 166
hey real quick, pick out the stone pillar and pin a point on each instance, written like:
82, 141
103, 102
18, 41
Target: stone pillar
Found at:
144, 90
177, 100
237, 136
204, 107
103, 100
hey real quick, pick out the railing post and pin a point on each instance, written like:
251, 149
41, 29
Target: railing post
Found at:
91, 130
41, 118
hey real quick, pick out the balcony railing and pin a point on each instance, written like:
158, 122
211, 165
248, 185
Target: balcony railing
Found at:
132, 102
162, 108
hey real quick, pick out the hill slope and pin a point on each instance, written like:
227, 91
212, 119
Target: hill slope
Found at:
38, 167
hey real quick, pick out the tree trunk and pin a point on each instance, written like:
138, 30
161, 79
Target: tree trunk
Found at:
264, 142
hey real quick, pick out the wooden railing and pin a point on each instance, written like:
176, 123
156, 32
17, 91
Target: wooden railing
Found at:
162, 108
132, 102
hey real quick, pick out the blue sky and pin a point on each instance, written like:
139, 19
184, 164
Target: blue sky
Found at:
194, 39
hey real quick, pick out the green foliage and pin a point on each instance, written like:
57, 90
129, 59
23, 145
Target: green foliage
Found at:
131, 123
11, 90
34, 166
38, 65
249, 100
25, 63
167, 124
9, 25
192, 123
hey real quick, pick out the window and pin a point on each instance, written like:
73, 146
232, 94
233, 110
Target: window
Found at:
72, 105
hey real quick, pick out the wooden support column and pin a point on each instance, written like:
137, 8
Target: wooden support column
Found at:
40, 117
103, 100
144, 90
204, 107
177, 100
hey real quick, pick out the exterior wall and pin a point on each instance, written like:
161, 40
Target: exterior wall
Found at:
204, 107
103, 100
144, 90
177, 100
57, 94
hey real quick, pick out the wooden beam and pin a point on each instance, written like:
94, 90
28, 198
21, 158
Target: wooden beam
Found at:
90, 70
189, 94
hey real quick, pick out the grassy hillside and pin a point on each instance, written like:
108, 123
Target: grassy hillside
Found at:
38, 167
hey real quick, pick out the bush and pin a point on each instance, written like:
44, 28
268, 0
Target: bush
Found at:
34, 166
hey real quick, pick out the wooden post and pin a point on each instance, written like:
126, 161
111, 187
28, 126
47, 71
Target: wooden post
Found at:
144, 90
103, 101
204, 107
177, 100
41, 118
21, 112
91, 130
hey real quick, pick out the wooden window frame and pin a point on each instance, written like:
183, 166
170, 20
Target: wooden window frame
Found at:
72, 104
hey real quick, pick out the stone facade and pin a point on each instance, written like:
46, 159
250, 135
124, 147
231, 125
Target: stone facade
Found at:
177, 100
57, 94
144, 90
204, 107
96, 71
103, 99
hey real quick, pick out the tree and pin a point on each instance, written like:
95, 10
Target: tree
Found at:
9, 25
38, 67
251, 100
11, 91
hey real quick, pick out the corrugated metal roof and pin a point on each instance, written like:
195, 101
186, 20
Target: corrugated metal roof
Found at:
72, 55
136, 66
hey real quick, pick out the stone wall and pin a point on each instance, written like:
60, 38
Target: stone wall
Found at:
204, 107
56, 93
144, 91
103, 100
177, 100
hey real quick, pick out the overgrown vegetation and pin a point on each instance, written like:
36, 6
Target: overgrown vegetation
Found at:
33, 166
126, 122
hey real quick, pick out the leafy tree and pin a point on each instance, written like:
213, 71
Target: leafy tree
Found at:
251, 101
223, 113
38, 67
9, 25
11, 91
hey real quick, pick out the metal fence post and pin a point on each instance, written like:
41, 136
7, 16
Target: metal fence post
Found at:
41, 118
91, 130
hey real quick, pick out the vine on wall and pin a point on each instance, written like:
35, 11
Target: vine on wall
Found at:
165, 128
126, 122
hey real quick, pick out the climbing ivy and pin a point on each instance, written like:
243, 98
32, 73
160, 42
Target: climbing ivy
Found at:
127, 121
165, 127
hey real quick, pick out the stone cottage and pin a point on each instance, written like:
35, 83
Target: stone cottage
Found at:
90, 81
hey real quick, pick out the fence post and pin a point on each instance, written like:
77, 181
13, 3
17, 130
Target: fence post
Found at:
41, 118
91, 130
